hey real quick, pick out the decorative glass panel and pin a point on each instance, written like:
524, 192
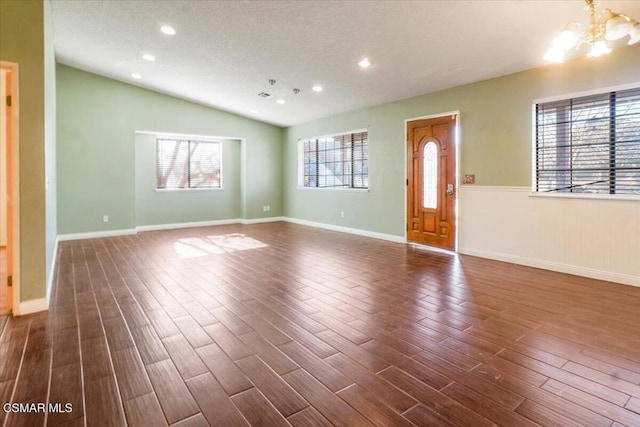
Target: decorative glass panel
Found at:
430, 176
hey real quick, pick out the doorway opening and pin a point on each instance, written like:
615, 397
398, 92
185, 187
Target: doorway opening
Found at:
9, 236
432, 181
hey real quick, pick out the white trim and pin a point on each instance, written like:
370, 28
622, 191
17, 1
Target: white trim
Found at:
186, 190
430, 116
159, 227
32, 306
351, 189
209, 138
633, 85
194, 224
262, 220
53, 269
348, 230
346, 132
618, 197
625, 279
95, 234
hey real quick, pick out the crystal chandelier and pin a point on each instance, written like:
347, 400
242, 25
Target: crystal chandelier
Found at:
603, 28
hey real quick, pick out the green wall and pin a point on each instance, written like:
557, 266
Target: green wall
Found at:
22, 40
97, 121
495, 138
169, 207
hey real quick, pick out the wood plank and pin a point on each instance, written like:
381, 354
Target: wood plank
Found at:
175, 399
132, 377
485, 407
184, 357
222, 367
385, 392
591, 387
320, 369
216, 406
308, 417
66, 388
103, 403
422, 415
258, 410
285, 399
195, 421
587, 400
117, 333
544, 416
149, 345
192, 331
162, 323
331, 407
144, 411
272, 356
437, 401
371, 407
364, 357
227, 341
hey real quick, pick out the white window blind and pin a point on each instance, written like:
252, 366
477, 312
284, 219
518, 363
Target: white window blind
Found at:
338, 161
589, 144
183, 164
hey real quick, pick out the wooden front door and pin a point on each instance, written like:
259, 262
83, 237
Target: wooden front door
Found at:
431, 181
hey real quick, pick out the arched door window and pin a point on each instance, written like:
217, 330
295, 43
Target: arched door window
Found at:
430, 176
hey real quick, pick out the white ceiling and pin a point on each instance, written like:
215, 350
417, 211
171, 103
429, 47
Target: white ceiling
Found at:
225, 52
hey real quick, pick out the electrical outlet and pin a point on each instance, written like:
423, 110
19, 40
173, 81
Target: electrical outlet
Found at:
105, 218
342, 214
268, 208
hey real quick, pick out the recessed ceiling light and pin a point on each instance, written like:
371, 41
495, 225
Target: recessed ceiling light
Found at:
281, 101
254, 111
168, 29
364, 63
317, 88
136, 76
148, 57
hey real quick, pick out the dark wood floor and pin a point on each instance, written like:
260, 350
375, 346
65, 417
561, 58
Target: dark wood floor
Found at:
278, 324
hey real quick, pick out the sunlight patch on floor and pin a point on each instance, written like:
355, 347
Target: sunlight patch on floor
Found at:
193, 247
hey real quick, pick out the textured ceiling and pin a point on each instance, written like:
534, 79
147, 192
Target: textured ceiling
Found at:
225, 52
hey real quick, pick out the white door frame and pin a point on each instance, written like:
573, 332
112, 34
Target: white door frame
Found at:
14, 143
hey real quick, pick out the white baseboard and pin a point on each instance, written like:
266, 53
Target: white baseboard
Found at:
262, 220
95, 234
194, 224
32, 306
349, 230
554, 266
157, 227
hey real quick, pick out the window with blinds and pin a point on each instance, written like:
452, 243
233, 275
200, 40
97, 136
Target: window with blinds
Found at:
337, 161
589, 144
184, 164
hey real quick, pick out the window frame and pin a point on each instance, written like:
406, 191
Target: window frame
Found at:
300, 163
189, 138
571, 195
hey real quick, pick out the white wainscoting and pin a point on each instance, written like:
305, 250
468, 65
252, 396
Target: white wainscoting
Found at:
590, 237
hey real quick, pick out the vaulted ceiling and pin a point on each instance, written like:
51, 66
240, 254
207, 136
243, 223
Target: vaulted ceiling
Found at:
224, 52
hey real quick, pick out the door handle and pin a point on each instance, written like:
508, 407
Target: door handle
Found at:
450, 189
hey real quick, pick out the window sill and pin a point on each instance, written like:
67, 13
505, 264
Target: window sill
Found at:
179, 190
618, 197
355, 190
